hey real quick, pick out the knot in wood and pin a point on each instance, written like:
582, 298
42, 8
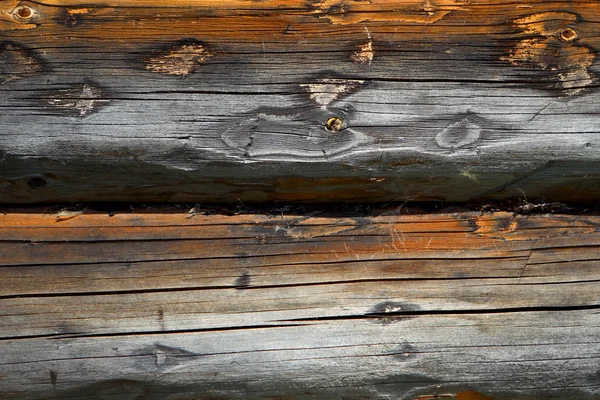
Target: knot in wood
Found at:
334, 124
568, 34
37, 183
23, 13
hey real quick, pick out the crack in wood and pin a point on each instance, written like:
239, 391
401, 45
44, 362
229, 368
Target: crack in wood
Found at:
463, 312
422, 12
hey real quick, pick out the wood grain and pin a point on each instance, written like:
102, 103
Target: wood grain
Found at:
174, 305
187, 100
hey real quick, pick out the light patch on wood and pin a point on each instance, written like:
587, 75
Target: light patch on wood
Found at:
326, 91
365, 53
469, 175
459, 134
78, 11
65, 215
309, 232
356, 11
17, 63
182, 60
546, 23
391, 309
575, 81
551, 52
80, 101
570, 62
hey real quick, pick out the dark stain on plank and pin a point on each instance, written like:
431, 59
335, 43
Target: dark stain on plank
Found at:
71, 17
594, 378
18, 62
161, 319
405, 352
243, 281
53, 378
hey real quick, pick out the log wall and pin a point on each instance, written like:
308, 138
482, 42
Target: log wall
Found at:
188, 100
464, 306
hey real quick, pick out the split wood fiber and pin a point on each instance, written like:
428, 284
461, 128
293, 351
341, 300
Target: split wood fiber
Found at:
465, 306
346, 100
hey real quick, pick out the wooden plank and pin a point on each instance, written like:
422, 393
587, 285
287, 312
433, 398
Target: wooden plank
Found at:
293, 100
470, 306
422, 356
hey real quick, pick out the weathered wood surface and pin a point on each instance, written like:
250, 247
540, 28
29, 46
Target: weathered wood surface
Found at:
465, 306
189, 100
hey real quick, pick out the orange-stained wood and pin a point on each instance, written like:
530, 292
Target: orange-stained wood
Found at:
279, 24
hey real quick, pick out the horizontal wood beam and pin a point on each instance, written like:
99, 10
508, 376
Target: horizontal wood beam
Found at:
323, 100
157, 305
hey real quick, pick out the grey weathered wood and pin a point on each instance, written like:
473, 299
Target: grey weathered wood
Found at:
500, 354
438, 113
468, 306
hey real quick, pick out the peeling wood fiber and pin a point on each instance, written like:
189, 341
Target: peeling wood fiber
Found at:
306, 101
171, 306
